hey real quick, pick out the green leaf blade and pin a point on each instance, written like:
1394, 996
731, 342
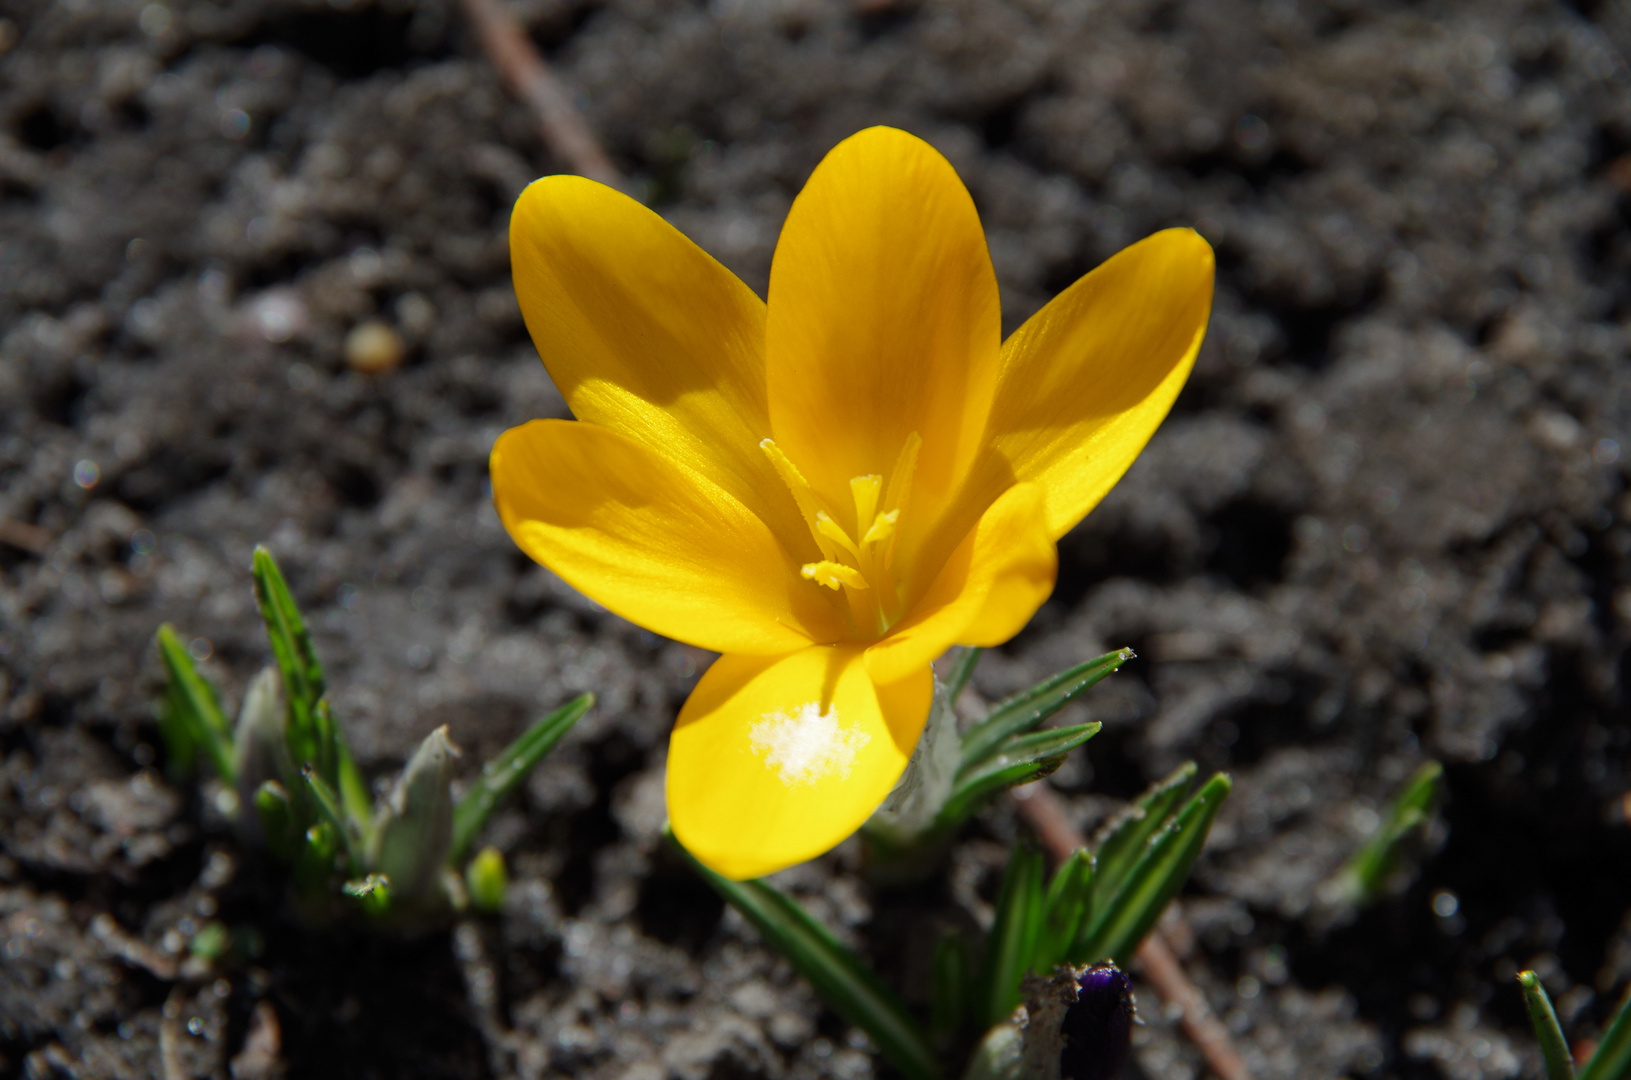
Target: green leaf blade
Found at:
1064, 910
195, 707
1554, 1048
1025, 710
1011, 945
952, 982
329, 813
1122, 841
303, 680
837, 974
1363, 879
501, 775
1115, 930
1021, 760
1612, 1058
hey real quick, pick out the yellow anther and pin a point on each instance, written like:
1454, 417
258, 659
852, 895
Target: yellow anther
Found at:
857, 568
829, 528
833, 575
883, 527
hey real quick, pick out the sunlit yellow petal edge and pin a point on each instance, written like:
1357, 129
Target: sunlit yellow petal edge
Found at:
833, 489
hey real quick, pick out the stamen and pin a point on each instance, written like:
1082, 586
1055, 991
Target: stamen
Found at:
833, 575
900, 489
800, 487
883, 527
860, 570
900, 481
829, 528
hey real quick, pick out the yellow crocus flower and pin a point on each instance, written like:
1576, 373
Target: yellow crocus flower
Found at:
830, 488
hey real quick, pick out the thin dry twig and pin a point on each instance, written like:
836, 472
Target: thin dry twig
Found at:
170, 1067
529, 78
133, 950
1157, 959
20, 534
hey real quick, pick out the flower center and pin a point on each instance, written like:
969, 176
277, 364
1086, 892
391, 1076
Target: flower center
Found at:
856, 561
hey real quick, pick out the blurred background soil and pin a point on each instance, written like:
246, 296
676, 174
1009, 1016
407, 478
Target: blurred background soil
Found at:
1387, 520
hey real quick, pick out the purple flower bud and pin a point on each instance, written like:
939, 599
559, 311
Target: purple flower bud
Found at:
1098, 1029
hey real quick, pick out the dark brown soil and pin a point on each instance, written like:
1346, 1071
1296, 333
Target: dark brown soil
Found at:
1387, 520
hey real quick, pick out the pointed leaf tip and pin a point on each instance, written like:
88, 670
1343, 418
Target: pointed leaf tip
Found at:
1554, 1048
504, 773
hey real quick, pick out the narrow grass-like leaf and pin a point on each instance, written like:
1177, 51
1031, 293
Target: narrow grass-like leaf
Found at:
1115, 930
1064, 910
180, 748
1011, 945
303, 680
501, 775
195, 707
326, 801
1028, 708
1612, 1059
837, 974
962, 670
952, 983
1554, 1048
1020, 760
1364, 878
354, 795
1121, 842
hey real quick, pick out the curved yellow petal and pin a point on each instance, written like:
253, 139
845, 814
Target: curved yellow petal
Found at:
883, 321
1086, 381
658, 545
645, 334
985, 594
777, 760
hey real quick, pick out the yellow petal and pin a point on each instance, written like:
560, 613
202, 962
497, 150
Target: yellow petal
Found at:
660, 546
645, 334
986, 592
883, 320
1086, 381
774, 761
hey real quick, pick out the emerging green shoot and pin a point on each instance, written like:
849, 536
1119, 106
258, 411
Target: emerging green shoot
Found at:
1554, 1048
301, 795
1611, 1060
487, 879
1379, 866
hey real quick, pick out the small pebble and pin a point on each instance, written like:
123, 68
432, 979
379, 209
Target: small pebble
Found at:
373, 348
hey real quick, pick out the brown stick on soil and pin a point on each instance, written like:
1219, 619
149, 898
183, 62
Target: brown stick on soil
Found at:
1160, 965
531, 80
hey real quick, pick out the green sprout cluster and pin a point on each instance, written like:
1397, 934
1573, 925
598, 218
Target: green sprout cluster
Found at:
1098, 905
952, 775
300, 794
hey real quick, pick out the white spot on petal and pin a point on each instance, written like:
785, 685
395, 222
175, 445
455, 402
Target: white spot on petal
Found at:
807, 745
